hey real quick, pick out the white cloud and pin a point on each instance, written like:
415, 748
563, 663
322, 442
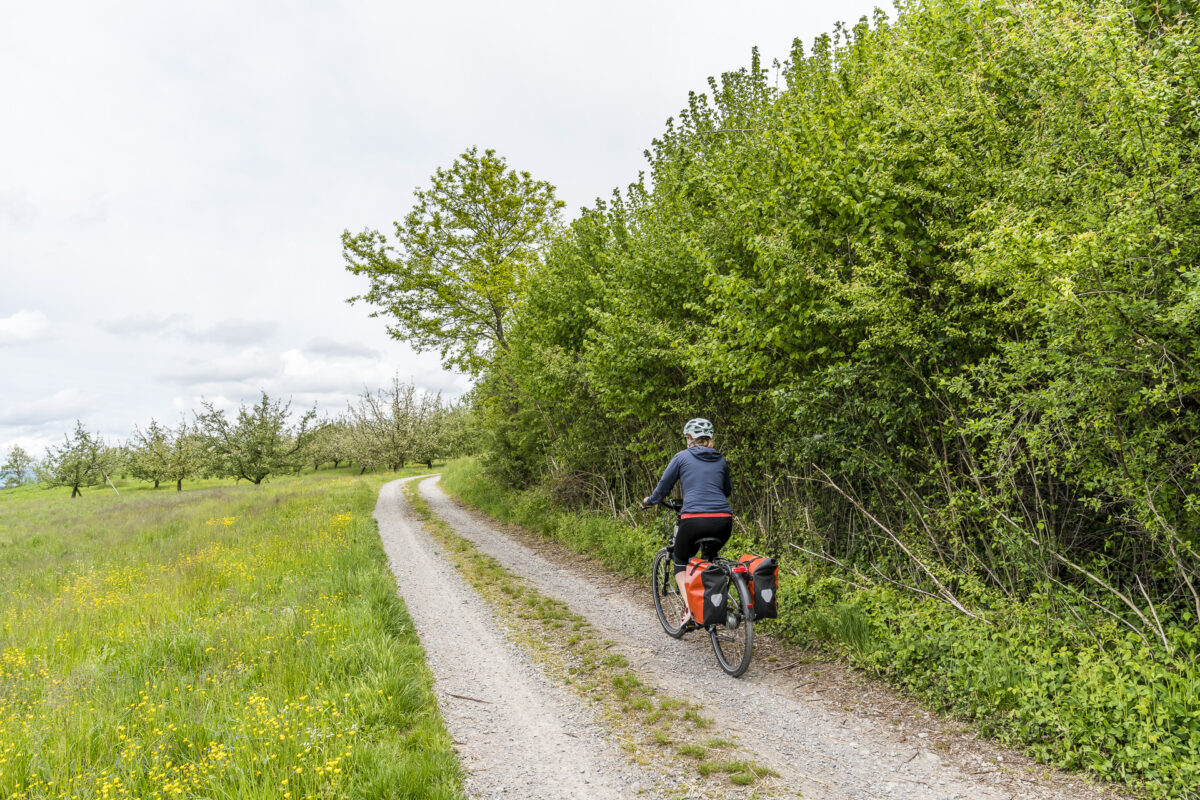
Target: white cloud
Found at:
23, 326
303, 372
332, 347
253, 366
306, 373
67, 404
16, 209
182, 326
235, 331
147, 324
301, 376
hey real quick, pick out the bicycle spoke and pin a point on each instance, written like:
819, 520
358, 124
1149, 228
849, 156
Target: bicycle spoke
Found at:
733, 639
668, 603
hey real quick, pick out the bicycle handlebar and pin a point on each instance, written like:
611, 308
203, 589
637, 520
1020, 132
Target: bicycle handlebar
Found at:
674, 505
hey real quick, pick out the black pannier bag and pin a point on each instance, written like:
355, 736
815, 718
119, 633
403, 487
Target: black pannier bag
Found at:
707, 592
764, 584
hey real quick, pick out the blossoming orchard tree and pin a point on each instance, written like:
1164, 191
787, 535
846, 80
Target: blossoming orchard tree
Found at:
81, 460
258, 443
160, 454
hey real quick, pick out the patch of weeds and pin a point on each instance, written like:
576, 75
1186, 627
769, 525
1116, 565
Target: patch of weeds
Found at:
692, 751
742, 773
717, 743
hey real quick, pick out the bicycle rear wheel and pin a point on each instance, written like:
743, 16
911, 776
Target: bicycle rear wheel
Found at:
733, 638
668, 603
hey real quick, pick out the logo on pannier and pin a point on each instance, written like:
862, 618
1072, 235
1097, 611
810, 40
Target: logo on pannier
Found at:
767, 594
716, 600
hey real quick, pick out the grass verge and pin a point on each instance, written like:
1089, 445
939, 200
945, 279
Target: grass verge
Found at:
650, 721
234, 642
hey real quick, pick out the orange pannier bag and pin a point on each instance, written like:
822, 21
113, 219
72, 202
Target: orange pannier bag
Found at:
764, 584
706, 591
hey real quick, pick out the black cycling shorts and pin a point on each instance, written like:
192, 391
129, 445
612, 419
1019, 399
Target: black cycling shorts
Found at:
692, 530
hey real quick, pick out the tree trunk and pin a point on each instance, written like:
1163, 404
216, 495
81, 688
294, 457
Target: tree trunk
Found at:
156, 483
179, 485
75, 492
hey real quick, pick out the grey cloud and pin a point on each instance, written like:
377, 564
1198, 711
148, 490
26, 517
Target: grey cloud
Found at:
235, 331
336, 349
148, 324
65, 405
93, 212
227, 331
16, 209
249, 367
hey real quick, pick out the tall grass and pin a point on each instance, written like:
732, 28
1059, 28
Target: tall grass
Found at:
226, 642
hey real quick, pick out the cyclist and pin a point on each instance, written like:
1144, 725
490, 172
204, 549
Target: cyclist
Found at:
704, 477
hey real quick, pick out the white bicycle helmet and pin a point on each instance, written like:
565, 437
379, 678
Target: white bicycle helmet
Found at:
698, 428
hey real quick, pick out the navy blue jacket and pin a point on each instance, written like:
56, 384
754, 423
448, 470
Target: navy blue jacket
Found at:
705, 478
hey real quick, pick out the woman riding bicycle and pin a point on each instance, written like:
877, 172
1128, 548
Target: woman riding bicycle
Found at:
704, 477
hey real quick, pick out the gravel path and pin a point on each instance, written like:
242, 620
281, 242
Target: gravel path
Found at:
518, 735
827, 732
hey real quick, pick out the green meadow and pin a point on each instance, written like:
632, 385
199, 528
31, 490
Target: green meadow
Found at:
226, 641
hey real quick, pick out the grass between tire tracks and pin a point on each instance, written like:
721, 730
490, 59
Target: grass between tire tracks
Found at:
231, 642
650, 721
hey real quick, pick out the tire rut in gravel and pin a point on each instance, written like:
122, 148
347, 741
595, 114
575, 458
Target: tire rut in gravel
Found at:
823, 750
518, 735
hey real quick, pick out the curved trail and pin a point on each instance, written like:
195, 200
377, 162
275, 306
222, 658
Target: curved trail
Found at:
818, 748
518, 735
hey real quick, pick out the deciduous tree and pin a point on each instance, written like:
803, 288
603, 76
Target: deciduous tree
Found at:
18, 467
383, 430
148, 453
450, 278
329, 443
81, 460
259, 443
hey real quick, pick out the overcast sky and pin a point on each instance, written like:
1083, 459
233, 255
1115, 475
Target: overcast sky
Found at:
174, 177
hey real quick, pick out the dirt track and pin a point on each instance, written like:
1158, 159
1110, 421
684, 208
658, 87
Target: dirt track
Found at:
518, 735
820, 727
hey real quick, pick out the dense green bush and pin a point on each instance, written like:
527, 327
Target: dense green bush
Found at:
935, 281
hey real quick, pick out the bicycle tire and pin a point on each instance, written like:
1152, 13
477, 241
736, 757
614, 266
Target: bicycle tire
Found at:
668, 603
733, 639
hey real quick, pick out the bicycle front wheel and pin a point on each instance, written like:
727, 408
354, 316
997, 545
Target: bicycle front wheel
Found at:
733, 637
668, 603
